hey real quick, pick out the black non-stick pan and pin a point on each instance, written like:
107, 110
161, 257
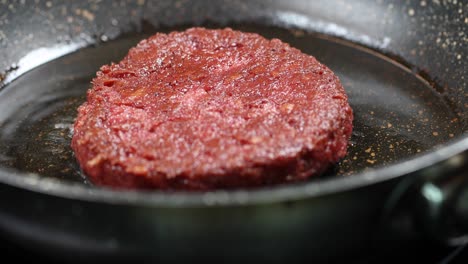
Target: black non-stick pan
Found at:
402, 63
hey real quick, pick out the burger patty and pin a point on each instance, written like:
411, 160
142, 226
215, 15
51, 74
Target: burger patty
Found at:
204, 109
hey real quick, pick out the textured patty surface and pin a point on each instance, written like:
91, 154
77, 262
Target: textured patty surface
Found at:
205, 109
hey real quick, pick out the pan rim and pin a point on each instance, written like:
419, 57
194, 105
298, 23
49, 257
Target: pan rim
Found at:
276, 194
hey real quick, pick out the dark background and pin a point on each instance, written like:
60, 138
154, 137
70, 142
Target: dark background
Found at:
421, 252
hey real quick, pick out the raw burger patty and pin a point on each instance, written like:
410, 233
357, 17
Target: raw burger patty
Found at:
205, 109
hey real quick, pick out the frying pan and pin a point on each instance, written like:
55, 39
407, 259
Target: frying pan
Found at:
403, 64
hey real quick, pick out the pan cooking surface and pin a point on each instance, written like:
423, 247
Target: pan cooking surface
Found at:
397, 114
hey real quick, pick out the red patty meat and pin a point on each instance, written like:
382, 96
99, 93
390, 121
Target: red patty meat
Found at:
205, 109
